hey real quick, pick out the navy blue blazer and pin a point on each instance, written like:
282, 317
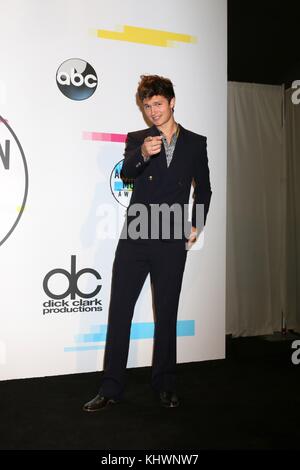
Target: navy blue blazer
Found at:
156, 183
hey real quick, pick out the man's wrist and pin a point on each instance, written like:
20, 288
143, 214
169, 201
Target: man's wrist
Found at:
145, 157
194, 232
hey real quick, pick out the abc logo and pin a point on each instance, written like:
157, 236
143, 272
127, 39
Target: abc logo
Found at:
76, 79
72, 278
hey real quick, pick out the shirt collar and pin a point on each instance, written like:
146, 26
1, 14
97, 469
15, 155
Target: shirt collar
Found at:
174, 136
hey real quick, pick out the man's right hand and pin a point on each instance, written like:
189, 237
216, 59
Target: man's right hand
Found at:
151, 146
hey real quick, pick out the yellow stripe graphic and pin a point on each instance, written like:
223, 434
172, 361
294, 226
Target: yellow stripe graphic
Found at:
152, 37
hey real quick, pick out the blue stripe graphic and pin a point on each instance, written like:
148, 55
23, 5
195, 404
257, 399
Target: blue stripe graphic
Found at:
138, 331
83, 348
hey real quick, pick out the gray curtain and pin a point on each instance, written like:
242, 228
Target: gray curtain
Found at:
256, 210
292, 139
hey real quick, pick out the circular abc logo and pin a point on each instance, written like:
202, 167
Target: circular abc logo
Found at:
76, 79
121, 188
13, 180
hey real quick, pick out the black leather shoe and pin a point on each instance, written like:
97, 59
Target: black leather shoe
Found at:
99, 403
169, 399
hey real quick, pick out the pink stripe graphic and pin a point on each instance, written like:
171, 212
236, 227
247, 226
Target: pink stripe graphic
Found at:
104, 137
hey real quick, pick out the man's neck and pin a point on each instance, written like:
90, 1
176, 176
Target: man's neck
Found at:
169, 128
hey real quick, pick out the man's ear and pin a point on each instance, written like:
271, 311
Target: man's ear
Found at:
172, 103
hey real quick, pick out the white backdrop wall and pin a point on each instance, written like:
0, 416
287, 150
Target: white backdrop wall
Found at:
71, 148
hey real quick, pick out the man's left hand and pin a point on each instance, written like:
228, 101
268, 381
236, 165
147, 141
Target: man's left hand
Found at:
192, 238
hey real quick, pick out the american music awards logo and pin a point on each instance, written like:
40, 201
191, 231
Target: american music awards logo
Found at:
13, 180
121, 189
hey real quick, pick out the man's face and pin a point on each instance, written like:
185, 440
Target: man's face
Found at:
158, 109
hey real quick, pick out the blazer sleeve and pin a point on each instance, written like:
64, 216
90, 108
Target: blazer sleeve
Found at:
134, 162
202, 188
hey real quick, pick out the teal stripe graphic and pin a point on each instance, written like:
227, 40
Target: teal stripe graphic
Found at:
138, 331
83, 348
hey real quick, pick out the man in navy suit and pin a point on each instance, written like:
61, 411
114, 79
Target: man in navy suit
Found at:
163, 160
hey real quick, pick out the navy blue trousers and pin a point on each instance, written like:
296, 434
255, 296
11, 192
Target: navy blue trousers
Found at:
134, 260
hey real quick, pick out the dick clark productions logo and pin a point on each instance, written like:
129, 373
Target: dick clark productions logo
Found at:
13, 180
76, 79
57, 294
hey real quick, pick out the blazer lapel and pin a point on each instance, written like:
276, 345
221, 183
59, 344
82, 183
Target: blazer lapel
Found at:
178, 151
160, 159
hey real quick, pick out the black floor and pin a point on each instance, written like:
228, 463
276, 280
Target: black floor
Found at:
250, 400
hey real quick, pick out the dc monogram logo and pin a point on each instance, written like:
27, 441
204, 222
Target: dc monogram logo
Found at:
72, 278
76, 79
13, 180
